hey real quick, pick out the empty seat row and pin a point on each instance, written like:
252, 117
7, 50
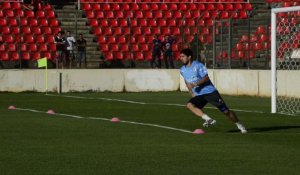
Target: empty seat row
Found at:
27, 13
29, 38
18, 6
28, 47
15, 56
166, 6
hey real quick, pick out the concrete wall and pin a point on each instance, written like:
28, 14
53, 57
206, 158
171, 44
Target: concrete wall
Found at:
231, 82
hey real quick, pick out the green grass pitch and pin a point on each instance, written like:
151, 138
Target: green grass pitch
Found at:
38, 143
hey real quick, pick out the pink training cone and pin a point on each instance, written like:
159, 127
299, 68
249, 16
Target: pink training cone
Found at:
115, 119
50, 111
199, 131
11, 107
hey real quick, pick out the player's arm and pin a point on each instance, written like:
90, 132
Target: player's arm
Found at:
198, 83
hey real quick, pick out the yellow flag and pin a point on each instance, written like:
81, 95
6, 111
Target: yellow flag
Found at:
42, 62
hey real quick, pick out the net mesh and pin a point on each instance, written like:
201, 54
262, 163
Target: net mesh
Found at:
288, 59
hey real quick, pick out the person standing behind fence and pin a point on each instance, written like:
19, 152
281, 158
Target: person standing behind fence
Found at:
70, 49
168, 54
60, 47
81, 51
156, 52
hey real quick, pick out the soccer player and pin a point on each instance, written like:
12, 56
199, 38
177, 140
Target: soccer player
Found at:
203, 91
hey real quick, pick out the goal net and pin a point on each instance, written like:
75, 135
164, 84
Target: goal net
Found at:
285, 56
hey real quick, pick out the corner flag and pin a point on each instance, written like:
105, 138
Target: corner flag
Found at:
42, 62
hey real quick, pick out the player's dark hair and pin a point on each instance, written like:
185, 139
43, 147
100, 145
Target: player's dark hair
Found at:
187, 52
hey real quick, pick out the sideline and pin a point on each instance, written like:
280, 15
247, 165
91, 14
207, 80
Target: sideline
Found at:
144, 103
106, 119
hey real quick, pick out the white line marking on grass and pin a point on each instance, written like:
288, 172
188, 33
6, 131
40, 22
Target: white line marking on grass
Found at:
107, 119
144, 103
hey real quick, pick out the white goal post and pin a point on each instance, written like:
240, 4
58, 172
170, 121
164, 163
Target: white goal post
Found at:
285, 56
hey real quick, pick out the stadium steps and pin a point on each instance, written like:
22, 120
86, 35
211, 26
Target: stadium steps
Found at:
66, 16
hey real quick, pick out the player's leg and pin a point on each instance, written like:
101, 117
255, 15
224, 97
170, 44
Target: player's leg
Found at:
195, 105
216, 100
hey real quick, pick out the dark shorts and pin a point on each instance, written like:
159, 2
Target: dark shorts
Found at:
213, 98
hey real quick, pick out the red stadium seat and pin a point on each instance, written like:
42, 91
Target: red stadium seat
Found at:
49, 38
29, 14
9, 13
36, 31
8, 38
48, 55
134, 7
2, 47
101, 39
36, 55
118, 55
43, 47
50, 14
121, 39
52, 47
137, 31
23, 22
173, 6
4, 56
111, 39
33, 22
158, 14
26, 56
40, 14
54, 23
14, 56
161, 6
109, 14
32, 48
11, 47
135, 47
23, 47
143, 22
104, 47
99, 14
114, 47
6, 5
152, 23
124, 48
141, 39
6, 30
95, 7
43, 22
147, 31
107, 31
125, 7
118, 31
13, 22
113, 23
90, 14
162, 22
139, 56
106, 7
108, 56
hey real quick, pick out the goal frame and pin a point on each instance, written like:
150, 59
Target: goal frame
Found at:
275, 11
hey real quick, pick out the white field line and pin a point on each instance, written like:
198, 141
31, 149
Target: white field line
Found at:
107, 119
144, 103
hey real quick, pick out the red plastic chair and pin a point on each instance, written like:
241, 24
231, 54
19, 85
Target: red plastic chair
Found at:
118, 31
90, 14
122, 39
36, 30
145, 7
26, 56
54, 23
29, 14
6, 30
158, 14
125, 7
4, 56
106, 7
124, 48
49, 38
9, 13
11, 47
8, 38
99, 14
40, 14
118, 55
95, 7
2, 47
147, 31
139, 56
86, 6
183, 7
161, 6
119, 14
32, 48
162, 22
173, 6
109, 14
114, 47
43, 47
103, 23
6, 5
23, 22
14, 56
104, 47
134, 7
16, 6
107, 31
142, 22
13, 22
35, 55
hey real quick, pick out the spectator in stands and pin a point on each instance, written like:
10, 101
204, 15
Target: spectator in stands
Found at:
60, 48
81, 51
70, 56
156, 52
167, 48
203, 91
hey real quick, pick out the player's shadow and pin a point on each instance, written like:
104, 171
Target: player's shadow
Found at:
266, 129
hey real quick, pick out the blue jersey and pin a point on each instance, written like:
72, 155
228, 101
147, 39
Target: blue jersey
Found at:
194, 73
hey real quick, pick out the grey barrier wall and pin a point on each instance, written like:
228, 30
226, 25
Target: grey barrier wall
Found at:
231, 82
